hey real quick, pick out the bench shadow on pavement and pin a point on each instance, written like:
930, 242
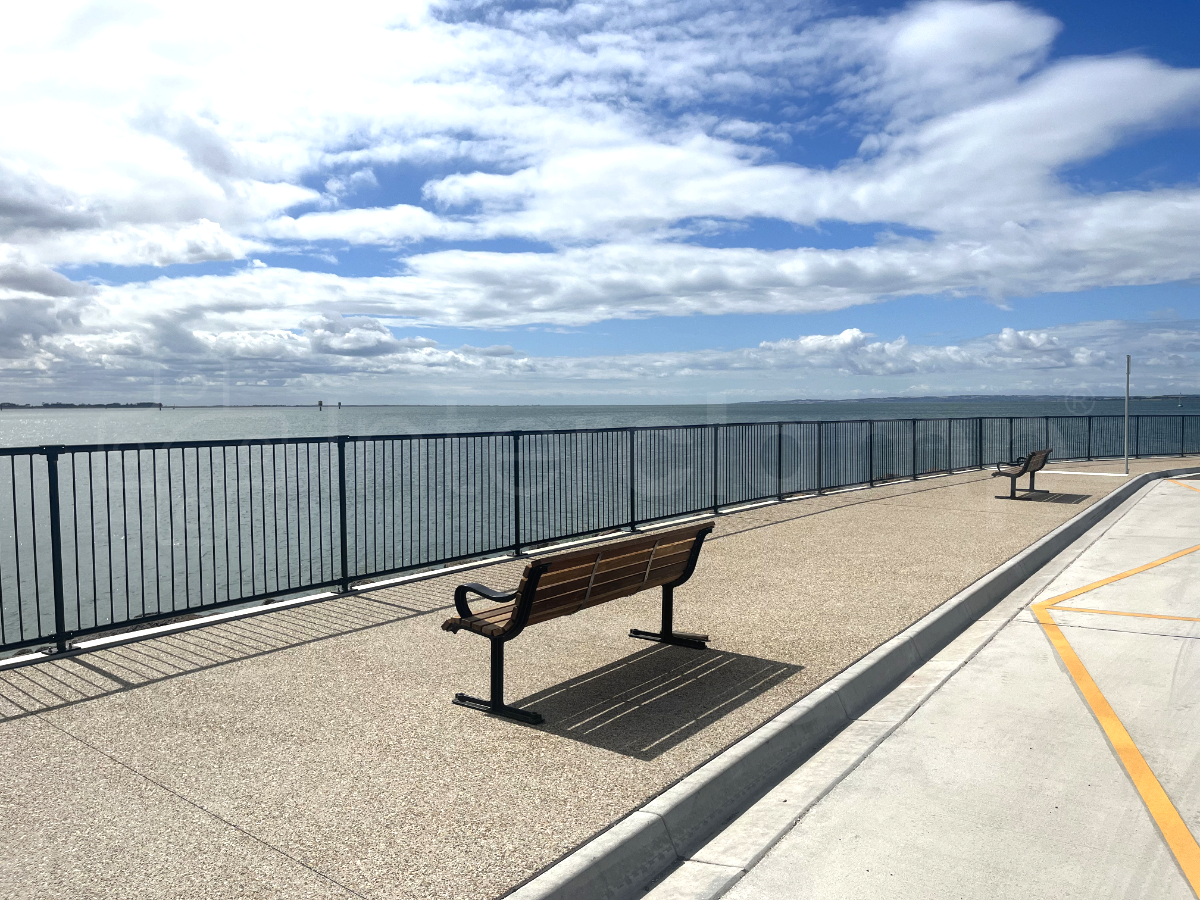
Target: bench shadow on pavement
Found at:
645, 704
1055, 498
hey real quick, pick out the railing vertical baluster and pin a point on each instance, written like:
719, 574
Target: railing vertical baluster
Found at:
779, 461
187, 565
871, 452
715, 466
914, 449
632, 481
344, 584
516, 482
112, 594
125, 533
820, 457
60, 612
75, 541
237, 482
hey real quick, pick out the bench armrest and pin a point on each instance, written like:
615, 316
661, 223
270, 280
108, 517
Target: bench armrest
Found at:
460, 596
1019, 462
484, 591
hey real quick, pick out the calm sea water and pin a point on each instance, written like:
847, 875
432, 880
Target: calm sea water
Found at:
23, 428
148, 533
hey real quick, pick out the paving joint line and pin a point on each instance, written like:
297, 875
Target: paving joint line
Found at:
1182, 637
198, 806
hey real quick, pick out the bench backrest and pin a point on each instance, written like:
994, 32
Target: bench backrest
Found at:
1036, 461
574, 581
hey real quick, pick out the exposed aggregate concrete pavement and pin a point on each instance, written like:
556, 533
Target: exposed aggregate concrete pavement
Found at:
313, 752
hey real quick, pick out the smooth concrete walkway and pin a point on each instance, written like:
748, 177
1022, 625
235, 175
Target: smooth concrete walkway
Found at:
1062, 760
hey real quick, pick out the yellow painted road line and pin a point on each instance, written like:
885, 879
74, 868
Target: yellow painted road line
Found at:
1190, 487
1102, 582
1183, 845
1113, 612
1174, 830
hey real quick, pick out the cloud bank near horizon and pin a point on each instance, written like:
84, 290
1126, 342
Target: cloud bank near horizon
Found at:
332, 352
507, 168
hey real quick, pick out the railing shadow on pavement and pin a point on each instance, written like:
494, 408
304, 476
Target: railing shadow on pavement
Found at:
645, 704
58, 683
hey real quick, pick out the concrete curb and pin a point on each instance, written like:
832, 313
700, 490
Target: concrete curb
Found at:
624, 860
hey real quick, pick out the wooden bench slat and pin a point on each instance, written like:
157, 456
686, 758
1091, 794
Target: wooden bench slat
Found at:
568, 609
635, 565
611, 560
632, 584
636, 574
501, 613
629, 545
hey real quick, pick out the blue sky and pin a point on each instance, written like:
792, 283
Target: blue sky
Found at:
612, 202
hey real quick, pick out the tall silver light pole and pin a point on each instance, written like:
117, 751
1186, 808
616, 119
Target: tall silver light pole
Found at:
1127, 366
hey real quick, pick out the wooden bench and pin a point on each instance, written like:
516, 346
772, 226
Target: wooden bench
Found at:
561, 585
1026, 465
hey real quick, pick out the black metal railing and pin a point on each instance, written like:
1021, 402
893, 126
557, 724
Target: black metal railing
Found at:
99, 538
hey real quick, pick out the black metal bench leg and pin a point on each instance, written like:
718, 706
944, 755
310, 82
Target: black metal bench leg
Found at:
1031, 489
667, 634
496, 706
1012, 490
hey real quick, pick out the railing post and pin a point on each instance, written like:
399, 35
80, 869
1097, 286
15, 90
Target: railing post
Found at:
979, 442
1181, 436
914, 449
1046, 423
871, 452
632, 483
345, 543
1089, 443
716, 467
779, 458
1010, 438
60, 612
516, 438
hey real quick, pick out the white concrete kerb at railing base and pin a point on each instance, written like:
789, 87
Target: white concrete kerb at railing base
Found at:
623, 860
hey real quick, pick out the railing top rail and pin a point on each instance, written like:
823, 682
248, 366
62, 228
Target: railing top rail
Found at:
359, 438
